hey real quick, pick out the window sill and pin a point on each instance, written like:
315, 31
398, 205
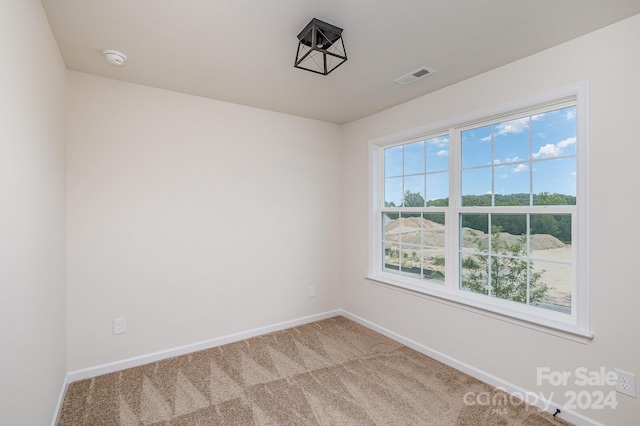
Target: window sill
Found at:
566, 331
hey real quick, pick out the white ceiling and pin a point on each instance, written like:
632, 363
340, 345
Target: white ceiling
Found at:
242, 51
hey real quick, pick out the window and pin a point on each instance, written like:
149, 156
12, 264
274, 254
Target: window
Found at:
490, 212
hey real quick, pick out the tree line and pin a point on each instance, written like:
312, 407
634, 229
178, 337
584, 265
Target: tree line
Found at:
558, 225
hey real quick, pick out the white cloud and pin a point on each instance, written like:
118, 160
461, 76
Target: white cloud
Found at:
496, 161
503, 176
548, 150
486, 139
520, 168
554, 150
512, 160
439, 142
571, 114
567, 142
442, 153
513, 126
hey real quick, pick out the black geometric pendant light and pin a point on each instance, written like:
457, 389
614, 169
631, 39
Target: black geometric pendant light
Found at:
320, 48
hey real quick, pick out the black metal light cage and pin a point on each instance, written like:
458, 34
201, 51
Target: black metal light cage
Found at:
320, 48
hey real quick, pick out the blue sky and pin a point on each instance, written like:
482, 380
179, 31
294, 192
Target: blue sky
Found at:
536, 151
521, 152
425, 166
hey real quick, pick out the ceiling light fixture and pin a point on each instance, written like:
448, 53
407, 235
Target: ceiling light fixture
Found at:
114, 57
320, 48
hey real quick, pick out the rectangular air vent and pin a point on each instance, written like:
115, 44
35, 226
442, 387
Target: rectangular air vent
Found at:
414, 75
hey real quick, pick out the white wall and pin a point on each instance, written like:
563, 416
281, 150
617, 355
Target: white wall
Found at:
192, 218
32, 290
609, 59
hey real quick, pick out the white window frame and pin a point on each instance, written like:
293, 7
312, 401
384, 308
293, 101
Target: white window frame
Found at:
574, 326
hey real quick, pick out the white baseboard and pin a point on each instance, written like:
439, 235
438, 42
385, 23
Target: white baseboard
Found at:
111, 367
540, 402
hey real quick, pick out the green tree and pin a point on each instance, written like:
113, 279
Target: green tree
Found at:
440, 202
548, 199
413, 199
544, 224
508, 275
476, 200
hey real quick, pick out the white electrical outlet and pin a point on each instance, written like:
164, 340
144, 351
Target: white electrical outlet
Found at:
626, 383
119, 325
312, 291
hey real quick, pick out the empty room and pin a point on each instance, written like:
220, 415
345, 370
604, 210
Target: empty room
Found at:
333, 212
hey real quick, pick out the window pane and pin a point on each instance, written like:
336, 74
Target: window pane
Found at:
433, 230
391, 257
509, 261
474, 232
433, 237
551, 254
390, 227
556, 228
476, 147
411, 228
390, 238
433, 264
411, 262
512, 185
511, 141
551, 287
554, 133
413, 191
509, 278
393, 161
393, 192
438, 189
476, 187
473, 271
437, 154
554, 177
414, 158
510, 226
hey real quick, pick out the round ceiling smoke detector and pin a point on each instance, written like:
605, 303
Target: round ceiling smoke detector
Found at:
114, 57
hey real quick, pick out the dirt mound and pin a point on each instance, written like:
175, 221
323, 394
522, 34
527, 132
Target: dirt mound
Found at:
416, 230
536, 241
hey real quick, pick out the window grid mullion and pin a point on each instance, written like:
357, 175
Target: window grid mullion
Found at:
489, 255
528, 297
530, 171
453, 235
424, 163
493, 165
402, 192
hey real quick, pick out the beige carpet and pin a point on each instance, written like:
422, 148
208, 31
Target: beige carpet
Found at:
331, 372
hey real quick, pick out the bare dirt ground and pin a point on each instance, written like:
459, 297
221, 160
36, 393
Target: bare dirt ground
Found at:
549, 255
556, 275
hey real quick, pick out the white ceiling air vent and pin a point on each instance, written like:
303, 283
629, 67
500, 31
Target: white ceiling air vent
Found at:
414, 75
